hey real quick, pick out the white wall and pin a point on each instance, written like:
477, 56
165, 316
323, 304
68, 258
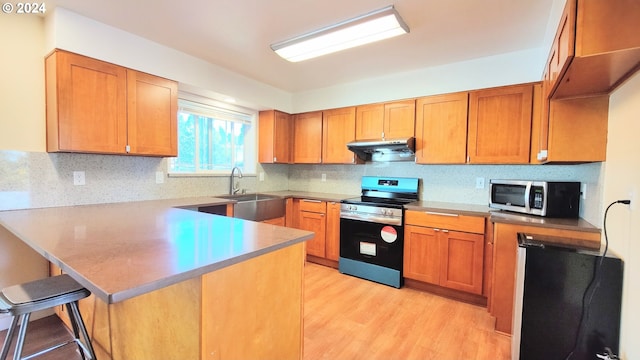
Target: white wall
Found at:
22, 84
70, 31
505, 69
622, 181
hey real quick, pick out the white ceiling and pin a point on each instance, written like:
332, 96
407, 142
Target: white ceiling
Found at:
236, 34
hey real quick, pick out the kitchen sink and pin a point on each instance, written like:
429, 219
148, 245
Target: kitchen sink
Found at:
256, 207
248, 197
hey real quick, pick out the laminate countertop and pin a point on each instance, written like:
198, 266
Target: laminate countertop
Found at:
499, 216
122, 250
494, 215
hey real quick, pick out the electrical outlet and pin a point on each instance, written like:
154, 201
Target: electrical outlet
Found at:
324, 177
583, 191
159, 177
479, 183
78, 178
261, 176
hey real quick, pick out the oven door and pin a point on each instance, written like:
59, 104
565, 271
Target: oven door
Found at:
371, 242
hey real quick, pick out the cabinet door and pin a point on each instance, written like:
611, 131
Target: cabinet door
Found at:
275, 137
580, 141
564, 42
152, 113
316, 222
332, 246
500, 125
441, 129
86, 104
338, 129
421, 254
462, 257
399, 119
369, 121
308, 138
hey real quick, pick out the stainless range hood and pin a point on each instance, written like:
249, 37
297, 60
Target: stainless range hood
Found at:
384, 150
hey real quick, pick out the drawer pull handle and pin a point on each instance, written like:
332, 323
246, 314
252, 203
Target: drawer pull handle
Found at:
440, 213
311, 201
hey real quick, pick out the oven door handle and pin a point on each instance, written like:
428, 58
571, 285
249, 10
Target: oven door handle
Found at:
372, 219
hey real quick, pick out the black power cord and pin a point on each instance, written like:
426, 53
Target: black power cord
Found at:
595, 280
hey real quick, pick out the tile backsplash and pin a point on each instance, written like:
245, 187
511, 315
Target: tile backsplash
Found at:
36, 179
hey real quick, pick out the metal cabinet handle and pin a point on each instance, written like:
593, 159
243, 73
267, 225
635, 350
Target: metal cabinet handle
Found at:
445, 231
311, 201
441, 213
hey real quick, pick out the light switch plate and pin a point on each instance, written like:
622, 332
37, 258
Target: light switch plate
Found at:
324, 177
479, 183
583, 191
261, 176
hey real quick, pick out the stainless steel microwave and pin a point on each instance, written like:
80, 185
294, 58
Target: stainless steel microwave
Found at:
541, 198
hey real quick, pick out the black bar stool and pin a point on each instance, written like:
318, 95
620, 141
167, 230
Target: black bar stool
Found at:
21, 300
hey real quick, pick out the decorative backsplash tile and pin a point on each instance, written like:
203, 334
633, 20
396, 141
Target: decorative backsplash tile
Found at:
35, 179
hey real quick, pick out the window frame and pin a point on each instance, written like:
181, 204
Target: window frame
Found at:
236, 114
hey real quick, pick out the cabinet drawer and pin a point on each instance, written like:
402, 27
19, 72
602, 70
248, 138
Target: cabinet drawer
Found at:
313, 205
442, 220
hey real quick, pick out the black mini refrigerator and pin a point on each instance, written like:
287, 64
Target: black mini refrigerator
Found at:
567, 301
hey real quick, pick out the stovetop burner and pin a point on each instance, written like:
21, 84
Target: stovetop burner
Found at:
373, 201
388, 192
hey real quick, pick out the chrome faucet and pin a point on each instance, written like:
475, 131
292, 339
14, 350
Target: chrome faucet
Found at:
232, 188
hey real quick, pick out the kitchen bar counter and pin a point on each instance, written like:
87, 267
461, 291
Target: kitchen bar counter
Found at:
122, 250
171, 283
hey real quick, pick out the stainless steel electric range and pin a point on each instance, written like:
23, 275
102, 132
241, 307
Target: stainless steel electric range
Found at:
372, 229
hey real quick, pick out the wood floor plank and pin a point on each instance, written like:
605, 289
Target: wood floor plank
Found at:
350, 318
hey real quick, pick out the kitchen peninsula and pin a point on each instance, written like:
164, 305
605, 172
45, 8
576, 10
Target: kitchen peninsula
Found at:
170, 283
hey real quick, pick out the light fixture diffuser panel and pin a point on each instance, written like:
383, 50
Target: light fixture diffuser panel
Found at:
377, 25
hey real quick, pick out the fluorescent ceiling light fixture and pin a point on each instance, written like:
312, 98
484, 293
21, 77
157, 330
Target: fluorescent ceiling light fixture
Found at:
373, 26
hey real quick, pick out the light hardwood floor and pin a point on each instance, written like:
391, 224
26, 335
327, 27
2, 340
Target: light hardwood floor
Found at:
350, 318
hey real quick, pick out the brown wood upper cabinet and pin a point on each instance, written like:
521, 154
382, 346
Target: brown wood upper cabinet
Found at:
275, 137
307, 139
500, 125
441, 129
338, 129
386, 121
97, 107
596, 47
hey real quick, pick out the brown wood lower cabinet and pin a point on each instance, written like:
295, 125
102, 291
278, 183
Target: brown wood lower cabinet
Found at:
323, 218
445, 250
312, 217
505, 246
249, 310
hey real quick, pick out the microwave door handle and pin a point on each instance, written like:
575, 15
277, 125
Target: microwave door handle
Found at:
527, 199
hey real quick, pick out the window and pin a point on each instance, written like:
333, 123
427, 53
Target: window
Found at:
213, 138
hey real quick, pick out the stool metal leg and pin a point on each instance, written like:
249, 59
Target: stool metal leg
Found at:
22, 333
78, 324
7, 342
